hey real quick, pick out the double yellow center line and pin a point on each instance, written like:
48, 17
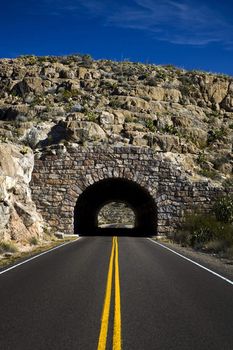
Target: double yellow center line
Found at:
107, 302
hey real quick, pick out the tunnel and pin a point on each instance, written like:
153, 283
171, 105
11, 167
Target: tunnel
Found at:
97, 195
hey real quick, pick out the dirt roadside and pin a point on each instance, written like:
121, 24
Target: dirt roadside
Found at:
213, 262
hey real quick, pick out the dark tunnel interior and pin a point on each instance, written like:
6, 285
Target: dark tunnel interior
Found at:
105, 191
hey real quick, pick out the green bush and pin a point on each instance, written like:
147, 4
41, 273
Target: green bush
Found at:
150, 125
223, 209
210, 173
170, 129
7, 247
228, 183
201, 159
91, 116
199, 229
216, 135
33, 241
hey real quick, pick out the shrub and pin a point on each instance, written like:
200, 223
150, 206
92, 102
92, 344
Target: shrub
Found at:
196, 230
87, 61
223, 209
202, 229
201, 159
68, 95
115, 104
33, 241
150, 125
210, 173
219, 161
170, 129
24, 150
215, 246
153, 81
228, 183
199, 229
7, 247
91, 116
216, 135
29, 59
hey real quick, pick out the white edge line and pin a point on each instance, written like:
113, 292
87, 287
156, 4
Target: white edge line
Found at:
192, 261
36, 256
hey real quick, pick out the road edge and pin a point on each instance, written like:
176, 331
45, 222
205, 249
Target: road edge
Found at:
33, 257
192, 261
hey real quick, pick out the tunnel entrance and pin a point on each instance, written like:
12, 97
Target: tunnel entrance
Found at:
97, 196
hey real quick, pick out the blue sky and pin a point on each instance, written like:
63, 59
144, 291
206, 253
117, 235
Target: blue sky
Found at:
191, 34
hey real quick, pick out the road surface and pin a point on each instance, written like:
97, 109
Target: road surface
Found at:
122, 293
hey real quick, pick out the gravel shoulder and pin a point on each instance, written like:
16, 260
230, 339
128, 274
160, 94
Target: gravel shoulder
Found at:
213, 262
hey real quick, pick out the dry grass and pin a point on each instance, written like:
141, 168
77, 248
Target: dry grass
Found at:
17, 256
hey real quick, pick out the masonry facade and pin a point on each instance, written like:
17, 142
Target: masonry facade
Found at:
61, 174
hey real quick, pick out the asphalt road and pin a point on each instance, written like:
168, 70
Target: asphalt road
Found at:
163, 303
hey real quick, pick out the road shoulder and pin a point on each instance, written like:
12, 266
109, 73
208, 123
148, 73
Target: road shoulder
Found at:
220, 265
10, 260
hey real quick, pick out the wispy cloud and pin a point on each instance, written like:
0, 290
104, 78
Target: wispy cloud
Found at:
176, 22
183, 22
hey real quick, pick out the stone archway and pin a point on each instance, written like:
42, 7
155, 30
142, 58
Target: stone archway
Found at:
95, 196
63, 178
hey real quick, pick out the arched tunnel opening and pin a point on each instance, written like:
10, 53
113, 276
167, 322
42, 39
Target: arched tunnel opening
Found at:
116, 214
113, 190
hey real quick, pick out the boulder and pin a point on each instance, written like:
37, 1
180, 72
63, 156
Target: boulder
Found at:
27, 85
172, 95
106, 119
85, 131
140, 140
131, 103
37, 134
227, 103
156, 93
119, 117
196, 135
217, 91
168, 143
67, 73
59, 235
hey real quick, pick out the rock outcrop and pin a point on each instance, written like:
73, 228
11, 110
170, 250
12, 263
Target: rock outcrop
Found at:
19, 218
48, 100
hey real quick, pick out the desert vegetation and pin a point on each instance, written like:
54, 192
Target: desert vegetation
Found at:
211, 232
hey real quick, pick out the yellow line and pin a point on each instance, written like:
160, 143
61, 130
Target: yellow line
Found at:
117, 312
105, 316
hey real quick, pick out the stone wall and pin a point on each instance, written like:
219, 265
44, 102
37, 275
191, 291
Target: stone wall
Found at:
62, 173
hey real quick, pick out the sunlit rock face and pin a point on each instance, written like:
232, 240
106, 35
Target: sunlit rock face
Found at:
51, 100
19, 218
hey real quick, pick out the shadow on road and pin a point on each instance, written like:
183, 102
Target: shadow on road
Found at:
115, 230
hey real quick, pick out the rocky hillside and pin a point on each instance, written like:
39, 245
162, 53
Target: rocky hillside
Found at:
48, 100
